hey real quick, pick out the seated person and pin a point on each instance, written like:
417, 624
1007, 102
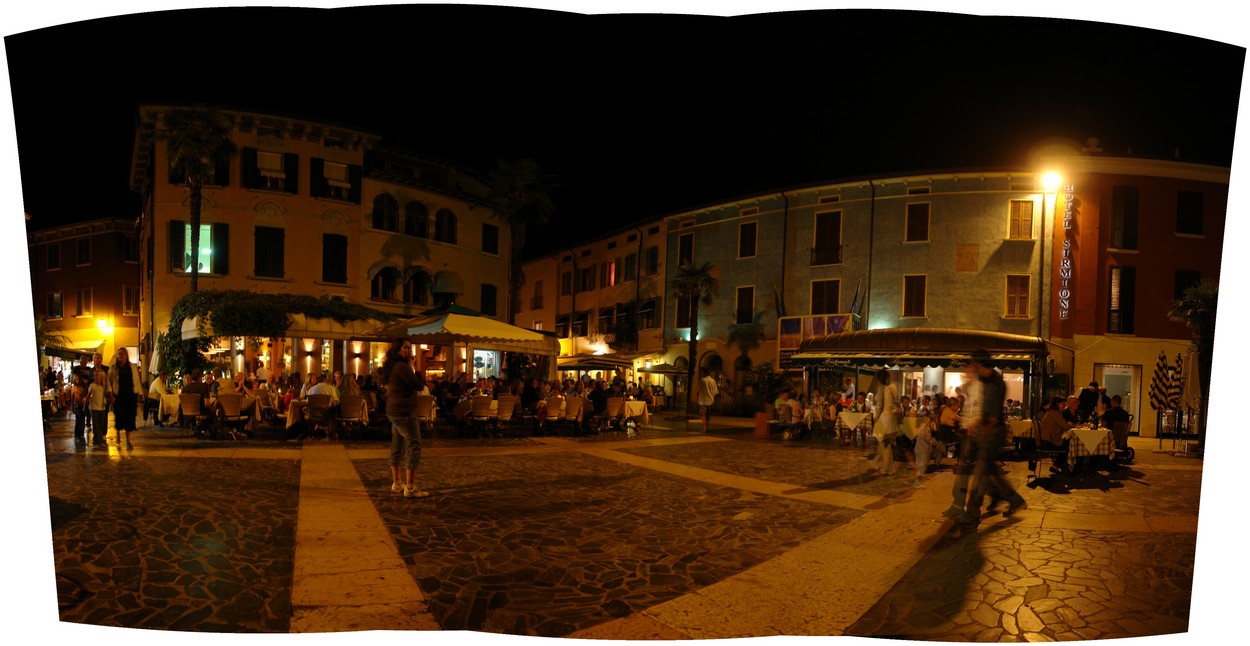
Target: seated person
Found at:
791, 411
193, 385
1055, 433
155, 392
1069, 409
318, 387
1116, 413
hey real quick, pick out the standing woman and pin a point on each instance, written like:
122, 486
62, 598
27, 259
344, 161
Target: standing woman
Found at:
127, 391
886, 428
402, 386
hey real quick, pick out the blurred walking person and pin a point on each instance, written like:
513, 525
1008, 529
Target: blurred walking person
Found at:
127, 391
990, 435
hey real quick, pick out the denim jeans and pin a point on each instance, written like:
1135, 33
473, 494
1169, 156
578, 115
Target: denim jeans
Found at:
405, 442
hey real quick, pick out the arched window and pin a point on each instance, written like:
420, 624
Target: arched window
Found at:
385, 213
416, 220
384, 284
445, 226
417, 288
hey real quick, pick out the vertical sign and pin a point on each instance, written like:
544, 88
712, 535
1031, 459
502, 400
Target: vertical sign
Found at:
1066, 253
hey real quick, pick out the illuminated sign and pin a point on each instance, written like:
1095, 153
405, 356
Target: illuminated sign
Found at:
1066, 254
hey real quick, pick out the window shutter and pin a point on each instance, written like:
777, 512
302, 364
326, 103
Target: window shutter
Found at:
290, 166
316, 177
353, 175
1128, 293
221, 173
250, 175
221, 248
177, 245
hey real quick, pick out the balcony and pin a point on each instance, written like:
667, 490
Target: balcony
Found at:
827, 255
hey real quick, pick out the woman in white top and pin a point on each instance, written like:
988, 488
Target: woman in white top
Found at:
886, 427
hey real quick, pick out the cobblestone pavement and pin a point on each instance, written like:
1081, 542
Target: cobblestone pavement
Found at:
667, 535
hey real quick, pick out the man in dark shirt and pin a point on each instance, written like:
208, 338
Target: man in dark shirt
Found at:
1087, 401
598, 398
991, 435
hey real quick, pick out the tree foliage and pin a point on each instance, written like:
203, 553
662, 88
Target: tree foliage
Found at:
247, 314
522, 194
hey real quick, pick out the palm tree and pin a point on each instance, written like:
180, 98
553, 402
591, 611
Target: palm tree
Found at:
1196, 308
198, 140
699, 287
521, 192
45, 336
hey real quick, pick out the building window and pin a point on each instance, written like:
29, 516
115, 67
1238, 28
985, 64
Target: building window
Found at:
1185, 278
538, 325
586, 279
270, 171
1124, 217
416, 220
269, 252
744, 311
536, 301
581, 324
826, 296
562, 326
130, 300
685, 249
827, 238
608, 278
214, 252
746, 239
334, 258
82, 307
624, 320
130, 250
335, 181
1123, 295
84, 252
1021, 226
607, 319
490, 239
490, 300
53, 256
55, 310
566, 283
1189, 213
914, 296
1018, 296
629, 270
417, 288
382, 287
651, 266
445, 226
646, 315
682, 319
917, 222
385, 213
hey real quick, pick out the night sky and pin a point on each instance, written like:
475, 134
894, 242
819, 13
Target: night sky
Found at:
637, 115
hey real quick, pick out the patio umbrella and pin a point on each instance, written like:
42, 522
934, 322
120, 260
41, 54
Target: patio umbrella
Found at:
1159, 383
1175, 384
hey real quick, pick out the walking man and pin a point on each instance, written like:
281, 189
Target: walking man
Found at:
990, 435
705, 393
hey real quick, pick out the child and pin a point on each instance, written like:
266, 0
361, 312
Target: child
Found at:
97, 402
79, 402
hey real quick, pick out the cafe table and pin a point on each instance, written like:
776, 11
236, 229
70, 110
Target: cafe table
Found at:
1086, 442
851, 423
169, 406
638, 409
1018, 428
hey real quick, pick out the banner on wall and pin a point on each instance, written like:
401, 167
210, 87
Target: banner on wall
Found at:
793, 330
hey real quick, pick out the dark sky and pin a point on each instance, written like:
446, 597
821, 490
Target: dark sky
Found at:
638, 115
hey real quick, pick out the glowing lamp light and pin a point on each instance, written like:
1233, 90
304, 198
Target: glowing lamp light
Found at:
1050, 182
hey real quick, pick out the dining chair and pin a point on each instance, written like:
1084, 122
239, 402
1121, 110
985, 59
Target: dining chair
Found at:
507, 413
317, 414
552, 413
192, 416
612, 414
572, 416
480, 412
350, 415
232, 416
425, 411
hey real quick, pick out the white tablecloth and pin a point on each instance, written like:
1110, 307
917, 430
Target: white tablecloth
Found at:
852, 420
638, 409
1020, 427
912, 425
1091, 441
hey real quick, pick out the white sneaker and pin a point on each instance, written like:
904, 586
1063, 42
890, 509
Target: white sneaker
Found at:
414, 491
396, 487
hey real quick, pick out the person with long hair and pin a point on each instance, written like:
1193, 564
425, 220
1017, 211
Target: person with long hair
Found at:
885, 430
126, 389
402, 386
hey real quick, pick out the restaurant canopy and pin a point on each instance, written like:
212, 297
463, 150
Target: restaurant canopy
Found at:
918, 348
72, 351
593, 362
455, 325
